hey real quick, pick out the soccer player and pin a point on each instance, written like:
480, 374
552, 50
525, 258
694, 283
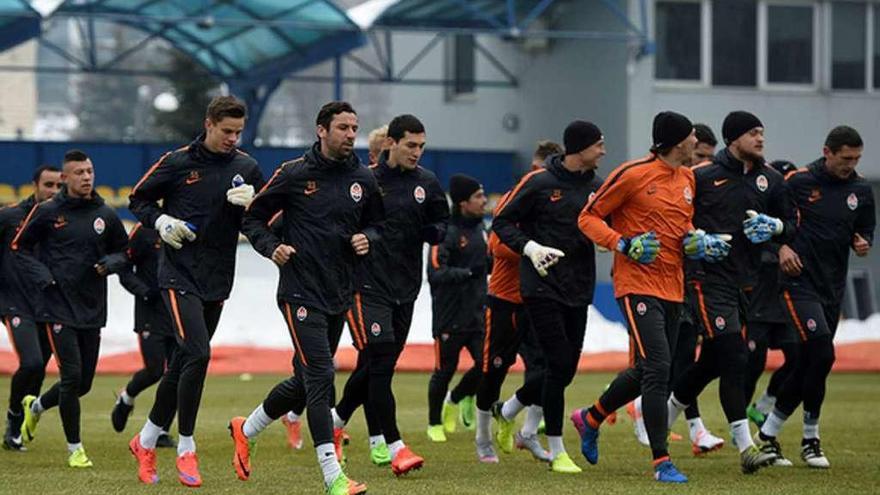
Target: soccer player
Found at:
204, 189
650, 205
457, 275
19, 308
387, 283
835, 211
540, 221
152, 324
67, 241
704, 151
331, 213
735, 186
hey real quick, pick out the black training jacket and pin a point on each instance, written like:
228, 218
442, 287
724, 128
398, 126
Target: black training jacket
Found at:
18, 295
416, 212
63, 239
141, 279
457, 274
324, 202
544, 208
763, 299
724, 193
192, 184
828, 212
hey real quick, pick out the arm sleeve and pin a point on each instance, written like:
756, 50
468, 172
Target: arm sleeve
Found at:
518, 205
145, 196
439, 271
866, 220
33, 230
269, 201
373, 214
434, 231
498, 249
777, 207
135, 251
613, 193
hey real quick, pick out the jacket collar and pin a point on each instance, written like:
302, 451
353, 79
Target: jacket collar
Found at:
554, 165
726, 159
315, 156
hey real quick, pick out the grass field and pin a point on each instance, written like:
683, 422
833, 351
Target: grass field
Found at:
851, 441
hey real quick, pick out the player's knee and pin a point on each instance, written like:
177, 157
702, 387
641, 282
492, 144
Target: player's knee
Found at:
199, 358
70, 380
31, 368
84, 387
823, 355
154, 373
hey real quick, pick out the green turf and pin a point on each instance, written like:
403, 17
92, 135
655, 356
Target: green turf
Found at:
849, 432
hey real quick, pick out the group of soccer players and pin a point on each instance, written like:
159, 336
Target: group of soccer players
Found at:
717, 248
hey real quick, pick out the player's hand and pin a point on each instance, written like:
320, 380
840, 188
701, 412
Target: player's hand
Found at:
789, 261
241, 195
282, 254
174, 230
759, 227
698, 245
102, 269
360, 243
542, 257
860, 245
642, 248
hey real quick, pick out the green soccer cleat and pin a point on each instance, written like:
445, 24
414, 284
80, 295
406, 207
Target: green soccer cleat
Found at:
79, 459
563, 464
450, 416
380, 455
504, 435
344, 486
467, 409
436, 433
29, 425
756, 416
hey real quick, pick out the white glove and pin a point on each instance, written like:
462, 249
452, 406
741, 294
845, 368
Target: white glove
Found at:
174, 230
542, 257
241, 195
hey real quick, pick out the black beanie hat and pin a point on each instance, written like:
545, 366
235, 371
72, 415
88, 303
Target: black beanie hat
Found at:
670, 128
580, 135
461, 187
738, 123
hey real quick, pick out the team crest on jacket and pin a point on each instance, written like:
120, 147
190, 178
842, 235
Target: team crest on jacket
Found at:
556, 195
761, 182
497, 362
99, 225
688, 194
852, 201
238, 180
462, 242
356, 192
302, 313
811, 325
16, 321
641, 309
419, 194
56, 328
375, 329
720, 324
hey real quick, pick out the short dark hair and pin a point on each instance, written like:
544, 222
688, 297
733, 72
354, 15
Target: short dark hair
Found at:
547, 148
225, 106
705, 135
330, 110
400, 125
74, 156
843, 135
43, 168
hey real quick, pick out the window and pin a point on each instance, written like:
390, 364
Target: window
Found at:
678, 34
790, 44
461, 65
848, 45
734, 42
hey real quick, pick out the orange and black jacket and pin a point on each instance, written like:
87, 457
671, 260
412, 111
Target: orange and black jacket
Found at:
828, 213
723, 194
141, 279
63, 239
18, 296
504, 279
324, 203
544, 208
457, 274
192, 183
416, 212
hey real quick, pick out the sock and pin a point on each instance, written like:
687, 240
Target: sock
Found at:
742, 437
534, 415
596, 414
150, 434
811, 426
511, 408
765, 403
695, 426
376, 440
256, 422
556, 446
72, 447
37, 406
448, 398
185, 444
126, 399
337, 420
484, 427
396, 447
674, 408
327, 461
292, 417
773, 424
